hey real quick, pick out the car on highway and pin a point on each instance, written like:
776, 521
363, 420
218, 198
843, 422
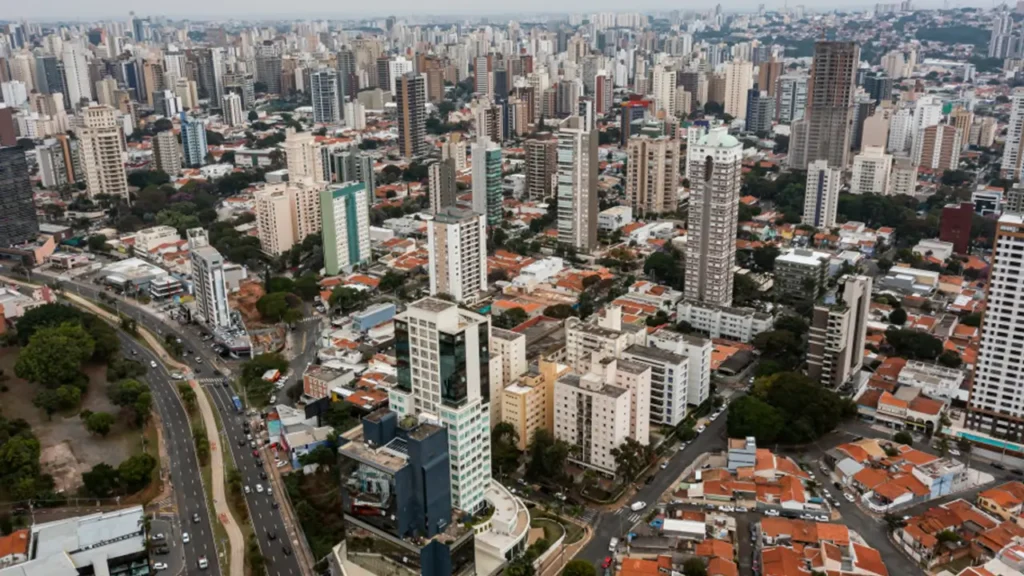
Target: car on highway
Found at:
160, 566
259, 488
263, 475
607, 562
270, 490
241, 442
271, 535
135, 352
185, 538
287, 550
203, 563
274, 504
152, 363
256, 453
195, 518
682, 446
247, 489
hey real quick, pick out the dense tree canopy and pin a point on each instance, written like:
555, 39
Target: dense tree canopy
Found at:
913, 344
787, 407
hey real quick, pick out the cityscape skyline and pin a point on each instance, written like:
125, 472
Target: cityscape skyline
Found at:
189, 9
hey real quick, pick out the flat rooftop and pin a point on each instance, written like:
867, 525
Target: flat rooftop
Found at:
507, 335
435, 305
380, 457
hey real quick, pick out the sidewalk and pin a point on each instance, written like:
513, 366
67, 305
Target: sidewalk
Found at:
235, 539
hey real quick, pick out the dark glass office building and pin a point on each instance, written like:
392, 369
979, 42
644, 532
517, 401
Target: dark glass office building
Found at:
18, 222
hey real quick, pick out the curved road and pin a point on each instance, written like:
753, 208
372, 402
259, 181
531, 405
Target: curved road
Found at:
182, 467
263, 516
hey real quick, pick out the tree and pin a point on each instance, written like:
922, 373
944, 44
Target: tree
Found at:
663, 268
631, 457
510, 318
950, 359
280, 307
559, 311
579, 568
807, 410
253, 116
795, 325
134, 398
47, 315
913, 344
38, 363
504, 450
188, 396
764, 258
202, 443
47, 400
547, 457
135, 472
903, 437
750, 416
973, 319
898, 317
68, 397
347, 298
780, 349
694, 567
101, 481
99, 423
391, 281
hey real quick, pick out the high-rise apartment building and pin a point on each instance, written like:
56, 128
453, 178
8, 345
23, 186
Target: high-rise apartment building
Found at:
103, 153
927, 113
669, 386
530, 403
826, 129
304, 157
345, 217
457, 241
274, 218
232, 110
822, 197
409, 97
353, 164
996, 404
487, 196
876, 128
455, 148
540, 167
838, 333
576, 185
18, 222
166, 153
697, 350
940, 147
871, 170
955, 224
760, 111
768, 74
595, 410
76, 73
323, 89
443, 360
193, 142
739, 78
714, 164
791, 98
208, 280
652, 174
268, 66
1013, 149
441, 184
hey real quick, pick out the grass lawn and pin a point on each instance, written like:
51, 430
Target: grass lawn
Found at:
552, 530
573, 533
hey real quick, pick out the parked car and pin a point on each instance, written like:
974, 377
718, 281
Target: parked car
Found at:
806, 516
664, 465
157, 537
159, 566
259, 488
701, 428
771, 512
726, 508
607, 562
161, 551
822, 518
849, 497
742, 509
954, 452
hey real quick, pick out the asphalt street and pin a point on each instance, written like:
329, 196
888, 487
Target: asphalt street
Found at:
608, 524
263, 516
183, 467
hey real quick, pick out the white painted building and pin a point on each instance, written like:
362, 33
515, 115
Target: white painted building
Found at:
724, 321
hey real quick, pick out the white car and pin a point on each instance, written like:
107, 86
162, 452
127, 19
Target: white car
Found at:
726, 508
807, 516
771, 512
185, 537
713, 417
259, 488
638, 506
247, 489
701, 428
822, 518
849, 497
742, 509
152, 363
954, 452
156, 537
159, 566
280, 463
682, 446
203, 564
270, 490
664, 465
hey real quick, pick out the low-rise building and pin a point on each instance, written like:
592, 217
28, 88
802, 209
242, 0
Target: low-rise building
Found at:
614, 218
728, 322
935, 380
318, 380
800, 274
933, 248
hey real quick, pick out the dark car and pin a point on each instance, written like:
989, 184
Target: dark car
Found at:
241, 441
649, 480
259, 462
195, 518
162, 551
274, 504
287, 551
271, 535
999, 466
263, 475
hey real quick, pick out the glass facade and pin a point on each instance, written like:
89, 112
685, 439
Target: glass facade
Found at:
454, 382
483, 335
402, 355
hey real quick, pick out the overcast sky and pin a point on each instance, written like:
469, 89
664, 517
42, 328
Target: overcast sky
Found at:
301, 9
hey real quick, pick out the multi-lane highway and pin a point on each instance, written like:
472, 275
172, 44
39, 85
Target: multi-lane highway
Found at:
182, 466
263, 516
275, 543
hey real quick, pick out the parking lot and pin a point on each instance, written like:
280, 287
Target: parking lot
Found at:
169, 550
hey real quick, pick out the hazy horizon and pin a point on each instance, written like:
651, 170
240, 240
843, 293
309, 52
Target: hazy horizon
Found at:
71, 10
